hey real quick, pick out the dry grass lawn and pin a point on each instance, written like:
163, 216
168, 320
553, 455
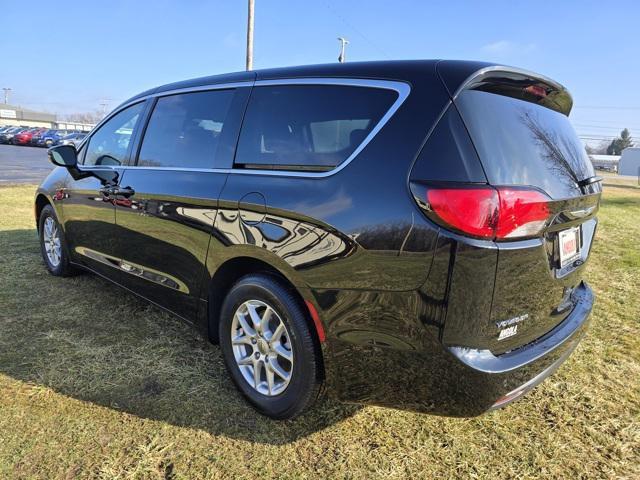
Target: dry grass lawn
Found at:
95, 383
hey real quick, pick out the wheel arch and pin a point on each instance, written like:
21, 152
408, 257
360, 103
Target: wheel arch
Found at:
232, 269
41, 201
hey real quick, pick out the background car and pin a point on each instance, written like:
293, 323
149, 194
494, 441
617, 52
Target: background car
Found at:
71, 139
49, 137
7, 135
35, 138
24, 137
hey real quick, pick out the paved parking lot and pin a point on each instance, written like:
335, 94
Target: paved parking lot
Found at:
23, 164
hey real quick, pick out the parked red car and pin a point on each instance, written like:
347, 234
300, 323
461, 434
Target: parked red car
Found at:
24, 138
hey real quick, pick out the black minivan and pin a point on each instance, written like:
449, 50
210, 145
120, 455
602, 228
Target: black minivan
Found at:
407, 233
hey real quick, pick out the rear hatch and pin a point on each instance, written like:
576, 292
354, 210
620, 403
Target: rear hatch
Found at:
518, 123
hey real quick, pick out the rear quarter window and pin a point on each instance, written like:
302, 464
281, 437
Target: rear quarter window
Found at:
308, 127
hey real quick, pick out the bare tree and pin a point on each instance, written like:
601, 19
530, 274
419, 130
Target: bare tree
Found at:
83, 117
565, 158
601, 148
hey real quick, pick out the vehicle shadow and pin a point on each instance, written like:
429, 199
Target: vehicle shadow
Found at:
90, 340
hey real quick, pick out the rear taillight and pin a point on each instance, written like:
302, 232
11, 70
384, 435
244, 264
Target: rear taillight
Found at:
502, 213
522, 213
469, 210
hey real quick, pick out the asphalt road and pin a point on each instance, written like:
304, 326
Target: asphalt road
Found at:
23, 164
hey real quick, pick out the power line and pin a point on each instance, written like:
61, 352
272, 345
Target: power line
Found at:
349, 25
606, 107
597, 127
589, 131
585, 134
598, 139
598, 134
601, 121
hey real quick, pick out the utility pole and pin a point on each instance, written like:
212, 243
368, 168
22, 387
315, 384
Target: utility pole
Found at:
250, 36
6, 94
103, 104
343, 43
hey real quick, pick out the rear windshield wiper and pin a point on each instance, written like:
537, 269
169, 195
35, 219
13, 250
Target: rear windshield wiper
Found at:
589, 181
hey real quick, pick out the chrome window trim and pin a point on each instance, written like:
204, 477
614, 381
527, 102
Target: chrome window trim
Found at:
199, 88
202, 88
402, 88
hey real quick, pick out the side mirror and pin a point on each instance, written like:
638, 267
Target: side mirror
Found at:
63, 156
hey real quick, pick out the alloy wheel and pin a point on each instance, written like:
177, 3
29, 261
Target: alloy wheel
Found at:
51, 241
262, 347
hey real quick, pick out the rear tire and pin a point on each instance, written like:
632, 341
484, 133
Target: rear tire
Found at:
263, 327
53, 245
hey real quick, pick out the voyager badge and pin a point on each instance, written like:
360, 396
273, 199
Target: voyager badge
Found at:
508, 328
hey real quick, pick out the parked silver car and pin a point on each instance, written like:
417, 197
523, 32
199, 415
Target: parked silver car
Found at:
71, 139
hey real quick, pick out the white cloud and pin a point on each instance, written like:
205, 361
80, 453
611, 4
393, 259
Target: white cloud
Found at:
231, 40
508, 48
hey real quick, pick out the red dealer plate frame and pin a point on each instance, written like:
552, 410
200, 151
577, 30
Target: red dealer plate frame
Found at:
569, 246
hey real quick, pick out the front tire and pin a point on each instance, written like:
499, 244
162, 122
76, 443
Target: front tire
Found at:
268, 347
52, 244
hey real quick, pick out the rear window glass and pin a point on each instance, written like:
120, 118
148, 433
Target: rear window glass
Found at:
522, 143
313, 127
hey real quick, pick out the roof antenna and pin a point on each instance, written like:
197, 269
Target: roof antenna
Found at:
343, 43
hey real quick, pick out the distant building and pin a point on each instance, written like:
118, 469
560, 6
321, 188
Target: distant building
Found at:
78, 127
10, 115
605, 162
20, 117
630, 162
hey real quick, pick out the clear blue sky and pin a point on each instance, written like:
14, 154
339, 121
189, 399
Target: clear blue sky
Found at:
66, 56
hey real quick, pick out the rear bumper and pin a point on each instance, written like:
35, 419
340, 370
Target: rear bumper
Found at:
539, 358
451, 381
565, 335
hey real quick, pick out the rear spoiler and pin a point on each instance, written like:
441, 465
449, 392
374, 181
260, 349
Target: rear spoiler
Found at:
516, 83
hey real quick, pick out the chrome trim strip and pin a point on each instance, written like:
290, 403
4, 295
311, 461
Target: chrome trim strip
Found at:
199, 88
147, 273
580, 213
353, 82
403, 89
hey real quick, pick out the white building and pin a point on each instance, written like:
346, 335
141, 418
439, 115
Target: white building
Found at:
78, 127
20, 117
630, 162
605, 162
